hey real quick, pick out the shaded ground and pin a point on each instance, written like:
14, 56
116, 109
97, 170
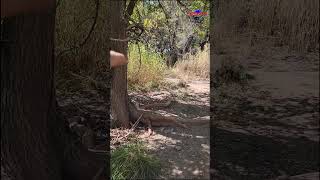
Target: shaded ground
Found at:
183, 153
86, 113
271, 127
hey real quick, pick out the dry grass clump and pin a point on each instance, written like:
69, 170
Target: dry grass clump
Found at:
230, 72
145, 74
194, 66
288, 22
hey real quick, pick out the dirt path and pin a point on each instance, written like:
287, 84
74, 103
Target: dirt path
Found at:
271, 128
183, 153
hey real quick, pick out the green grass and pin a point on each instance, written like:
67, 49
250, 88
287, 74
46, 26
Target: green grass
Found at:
132, 162
152, 68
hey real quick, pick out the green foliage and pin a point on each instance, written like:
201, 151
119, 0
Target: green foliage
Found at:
132, 162
164, 18
151, 71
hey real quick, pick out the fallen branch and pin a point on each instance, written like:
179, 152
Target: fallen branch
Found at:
132, 128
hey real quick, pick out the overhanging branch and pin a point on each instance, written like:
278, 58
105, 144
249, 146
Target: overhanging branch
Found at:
87, 37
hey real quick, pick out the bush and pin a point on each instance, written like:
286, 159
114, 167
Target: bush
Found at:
194, 65
147, 75
230, 71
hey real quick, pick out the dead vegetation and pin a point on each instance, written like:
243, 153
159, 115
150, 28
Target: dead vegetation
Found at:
231, 71
292, 23
194, 66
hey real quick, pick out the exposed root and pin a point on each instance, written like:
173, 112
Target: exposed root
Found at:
196, 121
148, 106
151, 118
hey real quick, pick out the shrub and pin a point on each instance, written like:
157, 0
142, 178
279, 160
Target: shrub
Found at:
192, 66
148, 73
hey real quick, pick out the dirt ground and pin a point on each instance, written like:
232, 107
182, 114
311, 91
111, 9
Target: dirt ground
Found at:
184, 153
269, 128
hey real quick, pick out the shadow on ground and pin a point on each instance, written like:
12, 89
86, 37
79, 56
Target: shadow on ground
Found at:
240, 156
263, 137
184, 153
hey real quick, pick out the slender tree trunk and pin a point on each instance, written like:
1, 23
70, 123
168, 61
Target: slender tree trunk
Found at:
119, 93
35, 143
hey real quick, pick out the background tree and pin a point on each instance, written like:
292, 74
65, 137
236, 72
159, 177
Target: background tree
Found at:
169, 31
119, 97
119, 93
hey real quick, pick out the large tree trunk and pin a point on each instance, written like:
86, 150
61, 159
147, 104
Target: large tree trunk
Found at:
35, 144
27, 99
119, 93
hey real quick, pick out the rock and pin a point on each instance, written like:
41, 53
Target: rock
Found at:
88, 139
182, 83
178, 148
79, 129
75, 119
196, 172
72, 125
169, 130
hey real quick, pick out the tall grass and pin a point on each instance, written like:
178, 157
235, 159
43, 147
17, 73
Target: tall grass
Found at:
194, 66
132, 162
290, 22
149, 73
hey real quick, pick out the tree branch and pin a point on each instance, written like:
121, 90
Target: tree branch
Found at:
130, 7
87, 37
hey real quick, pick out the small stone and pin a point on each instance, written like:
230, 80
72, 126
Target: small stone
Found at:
178, 148
72, 125
79, 129
167, 130
88, 139
196, 172
75, 119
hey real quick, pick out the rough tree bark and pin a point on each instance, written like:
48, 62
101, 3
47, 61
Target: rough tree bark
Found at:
27, 93
119, 93
35, 143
